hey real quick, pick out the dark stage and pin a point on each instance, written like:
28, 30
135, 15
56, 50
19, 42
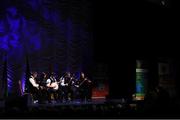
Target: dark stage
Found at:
114, 108
107, 59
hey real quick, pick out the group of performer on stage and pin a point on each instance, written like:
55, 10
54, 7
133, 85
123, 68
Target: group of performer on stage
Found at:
44, 87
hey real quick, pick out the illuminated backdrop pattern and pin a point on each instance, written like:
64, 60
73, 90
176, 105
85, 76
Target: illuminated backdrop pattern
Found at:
56, 35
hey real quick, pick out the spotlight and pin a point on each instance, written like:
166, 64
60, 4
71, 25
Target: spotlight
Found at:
163, 2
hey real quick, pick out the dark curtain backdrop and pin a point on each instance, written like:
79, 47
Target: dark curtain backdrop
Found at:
54, 35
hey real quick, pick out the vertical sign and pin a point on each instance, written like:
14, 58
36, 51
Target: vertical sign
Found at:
141, 81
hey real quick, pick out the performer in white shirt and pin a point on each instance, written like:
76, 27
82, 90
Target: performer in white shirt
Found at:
64, 86
62, 82
52, 85
32, 80
34, 87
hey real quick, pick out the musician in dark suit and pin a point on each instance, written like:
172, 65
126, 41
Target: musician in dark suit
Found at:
88, 89
72, 88
43, 91
84, 87
64, 82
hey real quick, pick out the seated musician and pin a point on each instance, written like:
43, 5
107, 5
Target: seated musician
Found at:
34, 87
52, 86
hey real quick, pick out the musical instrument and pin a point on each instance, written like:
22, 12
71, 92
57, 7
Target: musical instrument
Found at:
67, 84
42, 88
55, 85
70, 81
72, 78
81, 83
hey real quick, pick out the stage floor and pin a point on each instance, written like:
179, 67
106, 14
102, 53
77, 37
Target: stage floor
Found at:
75, 102
97, 108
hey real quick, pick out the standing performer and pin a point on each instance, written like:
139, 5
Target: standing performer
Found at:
84, 87
88, 90
52, 88
72, 89
69, 81
34, 87
43, 90
64, 86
